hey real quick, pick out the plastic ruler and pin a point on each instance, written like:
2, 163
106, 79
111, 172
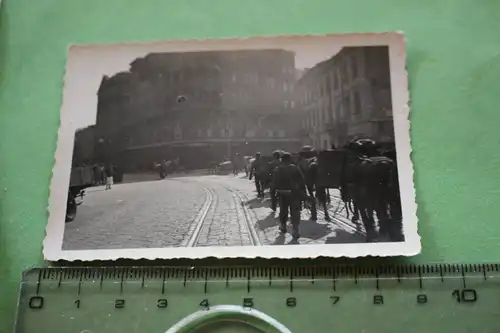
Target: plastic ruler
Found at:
405, 298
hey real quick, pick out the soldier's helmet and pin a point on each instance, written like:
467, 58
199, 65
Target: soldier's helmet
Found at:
257, 154
306, 149
277, 153
286, 157
307, 152
363, 146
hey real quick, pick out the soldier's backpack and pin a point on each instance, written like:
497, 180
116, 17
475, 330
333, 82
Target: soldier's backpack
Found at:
331, 164
283, 178
306, 167
262, 167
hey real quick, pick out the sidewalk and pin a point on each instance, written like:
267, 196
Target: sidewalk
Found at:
152, 176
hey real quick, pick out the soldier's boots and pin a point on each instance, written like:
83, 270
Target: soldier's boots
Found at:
371, 235
295, 232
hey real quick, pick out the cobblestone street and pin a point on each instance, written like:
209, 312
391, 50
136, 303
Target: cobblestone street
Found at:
339, 230
193, 211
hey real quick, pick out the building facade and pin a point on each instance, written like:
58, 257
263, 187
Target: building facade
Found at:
84, 147
347, 96
202, 107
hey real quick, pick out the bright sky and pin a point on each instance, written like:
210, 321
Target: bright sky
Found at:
87, 64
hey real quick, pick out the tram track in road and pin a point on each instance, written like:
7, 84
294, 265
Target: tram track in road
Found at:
339, 222
333, 212
199, 220
244, 213
206, 216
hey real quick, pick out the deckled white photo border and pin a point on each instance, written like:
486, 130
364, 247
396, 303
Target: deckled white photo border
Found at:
77, 61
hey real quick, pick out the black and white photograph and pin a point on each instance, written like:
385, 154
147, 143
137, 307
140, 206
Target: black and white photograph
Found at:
272, 147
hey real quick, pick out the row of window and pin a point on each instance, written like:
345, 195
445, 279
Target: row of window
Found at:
266, 81
343, 73
209, 77
153, 137
350, 105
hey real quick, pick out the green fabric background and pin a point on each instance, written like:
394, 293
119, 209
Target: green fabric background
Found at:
453, 51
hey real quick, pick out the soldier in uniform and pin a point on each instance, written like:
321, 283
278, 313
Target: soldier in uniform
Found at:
273, 165
254, 171
308, 166
290, 186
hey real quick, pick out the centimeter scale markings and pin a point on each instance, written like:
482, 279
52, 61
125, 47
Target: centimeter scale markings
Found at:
458, 298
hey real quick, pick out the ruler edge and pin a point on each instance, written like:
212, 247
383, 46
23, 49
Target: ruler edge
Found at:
351, 269
456, 268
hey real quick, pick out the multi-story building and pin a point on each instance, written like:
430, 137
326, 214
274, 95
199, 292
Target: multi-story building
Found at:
199, 106
84, 146
346, 96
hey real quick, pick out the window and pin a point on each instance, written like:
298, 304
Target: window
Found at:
357, 103
234, 78
209, 133
250, 133
325, 144
292, 104
270, 133
354, 68
347, 104
343, 73
285, 87
282, 133
347, 69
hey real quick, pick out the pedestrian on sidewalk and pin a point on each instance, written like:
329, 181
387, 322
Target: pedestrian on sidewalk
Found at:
108, 170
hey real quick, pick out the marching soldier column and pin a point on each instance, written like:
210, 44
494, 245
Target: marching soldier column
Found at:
365, 175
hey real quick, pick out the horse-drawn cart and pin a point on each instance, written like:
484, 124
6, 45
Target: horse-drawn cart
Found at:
80, 179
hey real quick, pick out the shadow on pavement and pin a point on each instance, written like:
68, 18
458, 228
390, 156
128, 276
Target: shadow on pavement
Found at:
308, 229
343, 237
313, 230
257, 203
280, 240
268, 222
